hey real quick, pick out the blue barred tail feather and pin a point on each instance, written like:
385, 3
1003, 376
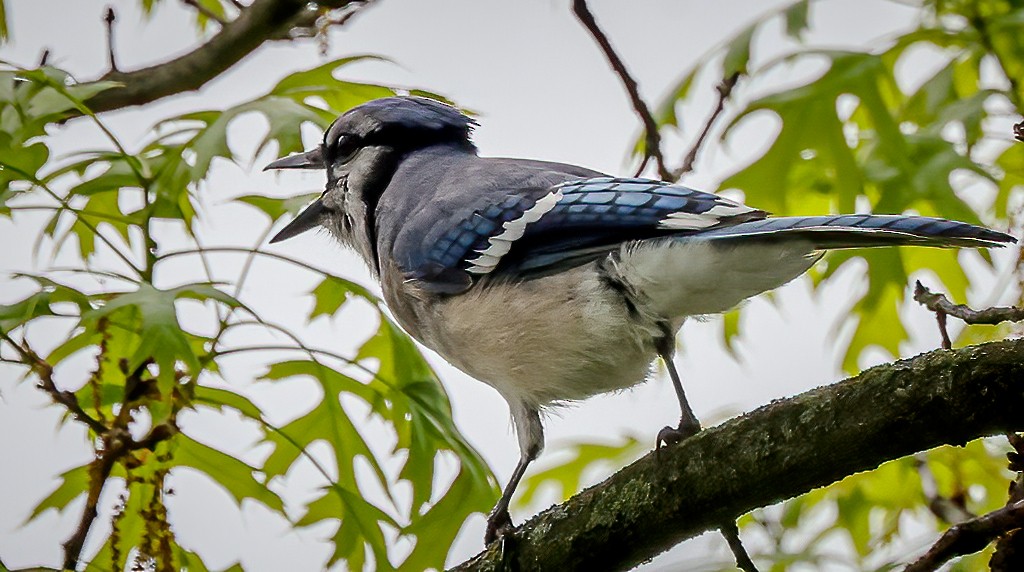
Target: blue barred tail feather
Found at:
859, 231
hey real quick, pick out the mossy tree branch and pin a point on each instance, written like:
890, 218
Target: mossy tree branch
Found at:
777, 452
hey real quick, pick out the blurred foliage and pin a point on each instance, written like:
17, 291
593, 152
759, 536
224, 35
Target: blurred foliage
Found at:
150, 365
859, 138
919, 124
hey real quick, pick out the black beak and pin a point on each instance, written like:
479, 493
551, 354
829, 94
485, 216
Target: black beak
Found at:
309, 160
307, 219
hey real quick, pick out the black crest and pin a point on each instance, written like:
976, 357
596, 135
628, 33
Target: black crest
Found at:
403, 121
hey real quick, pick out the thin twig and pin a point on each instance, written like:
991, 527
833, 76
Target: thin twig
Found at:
205, 11
970, 537
109, 17
940, 319
732, 536
44, 57
724, 90
942, 307
157, 434
652, 138
45, 372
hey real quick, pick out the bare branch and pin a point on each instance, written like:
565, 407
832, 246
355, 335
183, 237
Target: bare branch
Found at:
724, 90
970, 537
652, 138
205, 11
109, 18
942, 307
732, 535
779, 451
45, 373
262, 21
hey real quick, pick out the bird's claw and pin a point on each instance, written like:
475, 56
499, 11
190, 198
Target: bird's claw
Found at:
675, 435
498, 525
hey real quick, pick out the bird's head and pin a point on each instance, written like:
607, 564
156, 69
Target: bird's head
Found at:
360, 152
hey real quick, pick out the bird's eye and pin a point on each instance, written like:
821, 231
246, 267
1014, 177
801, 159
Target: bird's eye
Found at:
343, 149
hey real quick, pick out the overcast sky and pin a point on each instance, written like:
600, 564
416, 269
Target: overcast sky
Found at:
543, 91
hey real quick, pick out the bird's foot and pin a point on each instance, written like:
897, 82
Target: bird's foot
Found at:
499, 524
674, 435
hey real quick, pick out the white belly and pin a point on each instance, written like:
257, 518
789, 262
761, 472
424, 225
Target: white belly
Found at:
561, 337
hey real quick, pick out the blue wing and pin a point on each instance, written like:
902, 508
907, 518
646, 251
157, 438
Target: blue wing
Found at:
542, 229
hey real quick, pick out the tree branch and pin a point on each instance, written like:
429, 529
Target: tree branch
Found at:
44, 370
776, 452
724, 90
108, 20
262, 21
116, 443
652, 138
970, 537
939, 303
942, 307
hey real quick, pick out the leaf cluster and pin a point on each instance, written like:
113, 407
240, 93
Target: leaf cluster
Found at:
108, 208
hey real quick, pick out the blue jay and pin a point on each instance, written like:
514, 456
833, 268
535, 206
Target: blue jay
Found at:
552, 282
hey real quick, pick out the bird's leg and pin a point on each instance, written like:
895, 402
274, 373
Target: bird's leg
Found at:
688, 423
499, 522
531, 441
688, 427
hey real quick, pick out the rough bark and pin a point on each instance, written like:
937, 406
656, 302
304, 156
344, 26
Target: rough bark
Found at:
777, 452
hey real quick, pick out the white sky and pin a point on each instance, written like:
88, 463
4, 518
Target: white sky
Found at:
543, 91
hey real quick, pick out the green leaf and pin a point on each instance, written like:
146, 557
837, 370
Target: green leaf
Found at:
360, 528
41, 303
665, 114
160, 336
796, 19
234, 475
6, 195
568, 474
878, 310
276, 208
737, 53
333, 292
224, 398
327, 421
730, 329
22, 163
436, 530
4, 32
73, 484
